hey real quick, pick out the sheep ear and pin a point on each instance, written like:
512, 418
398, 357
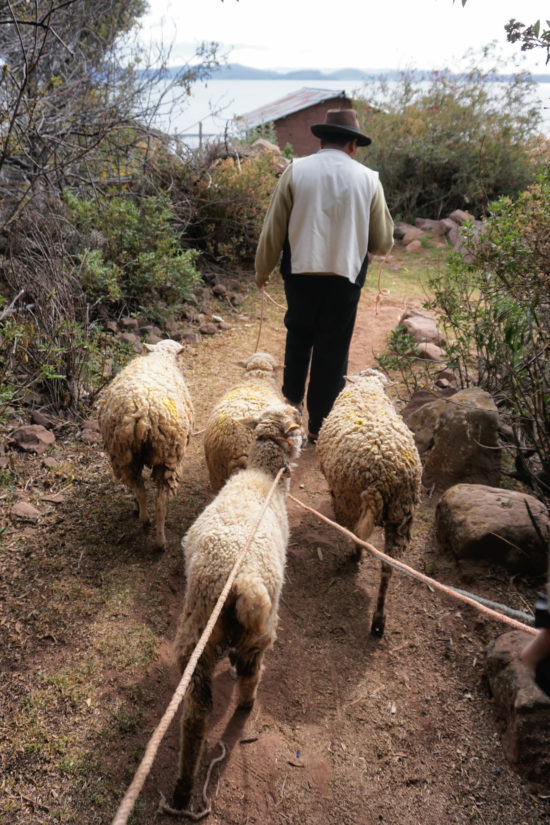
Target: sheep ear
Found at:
351, 379
249, 423
292, 428
148, 347
240, 364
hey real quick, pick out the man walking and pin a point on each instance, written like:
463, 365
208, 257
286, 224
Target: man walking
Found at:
327, 213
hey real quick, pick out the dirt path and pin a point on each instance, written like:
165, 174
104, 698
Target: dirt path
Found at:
346, 729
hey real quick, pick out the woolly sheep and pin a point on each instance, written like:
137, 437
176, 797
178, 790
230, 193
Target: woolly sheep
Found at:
368, 456
146, 419
228, 434
247, 624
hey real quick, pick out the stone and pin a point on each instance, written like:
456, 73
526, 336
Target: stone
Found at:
190, 336
430, 352
129, 323
523, 705
90, 437
208, 329
236, 298
460, 216
458, 435
447, 224
436, 227
447, 378
412, 234
220, 290
413, 246
33, 438
422, 328
24, 511
46, 421
131, 339
509, 527
111, 326
400, 229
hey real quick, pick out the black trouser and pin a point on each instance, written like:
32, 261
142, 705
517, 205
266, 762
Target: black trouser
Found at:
319, 321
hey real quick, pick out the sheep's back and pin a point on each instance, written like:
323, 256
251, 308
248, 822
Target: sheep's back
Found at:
364, 445
228, 435
215, 539
147, 412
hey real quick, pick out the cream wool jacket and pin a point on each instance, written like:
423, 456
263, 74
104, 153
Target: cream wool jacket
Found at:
327, 213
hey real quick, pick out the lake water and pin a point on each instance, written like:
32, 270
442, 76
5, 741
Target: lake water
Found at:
213, 105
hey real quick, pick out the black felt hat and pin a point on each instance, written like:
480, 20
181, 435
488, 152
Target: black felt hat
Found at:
341, 122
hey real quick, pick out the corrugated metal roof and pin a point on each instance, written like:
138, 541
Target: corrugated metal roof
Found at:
294, 102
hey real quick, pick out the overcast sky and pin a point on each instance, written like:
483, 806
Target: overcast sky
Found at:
363, 34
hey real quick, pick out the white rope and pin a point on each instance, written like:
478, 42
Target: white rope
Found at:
476, 601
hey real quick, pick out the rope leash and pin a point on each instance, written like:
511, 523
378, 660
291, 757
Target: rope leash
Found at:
475, 601
380, 291
125, 808
261, 319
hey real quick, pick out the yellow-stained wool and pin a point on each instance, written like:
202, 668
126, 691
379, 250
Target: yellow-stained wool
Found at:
229, 429
368, 456
146, 419
247, 624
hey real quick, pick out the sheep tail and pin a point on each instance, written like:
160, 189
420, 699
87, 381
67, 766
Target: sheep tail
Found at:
253, 604
371, 513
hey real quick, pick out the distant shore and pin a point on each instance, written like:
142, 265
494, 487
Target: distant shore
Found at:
236, 71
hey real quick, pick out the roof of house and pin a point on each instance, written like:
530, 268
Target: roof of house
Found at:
294, 102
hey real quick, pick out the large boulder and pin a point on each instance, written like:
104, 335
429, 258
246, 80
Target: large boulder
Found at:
510, 527
457, 438
524, 706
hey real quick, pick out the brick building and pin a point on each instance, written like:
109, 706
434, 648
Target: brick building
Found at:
292, 116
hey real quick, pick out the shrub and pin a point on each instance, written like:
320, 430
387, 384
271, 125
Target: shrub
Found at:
452, 141
496, 311
231, 199
135, 259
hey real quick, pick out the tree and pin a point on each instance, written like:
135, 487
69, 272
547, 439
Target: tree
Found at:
531, 37
73, 103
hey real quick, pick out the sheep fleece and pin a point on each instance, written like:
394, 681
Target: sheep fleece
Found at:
147, 411
365, 447
215, 539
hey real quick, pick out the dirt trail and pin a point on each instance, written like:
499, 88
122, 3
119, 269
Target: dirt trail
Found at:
347, 729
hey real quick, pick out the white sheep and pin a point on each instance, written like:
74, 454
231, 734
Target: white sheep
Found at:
247, 624
146, 419
228, 434
368, 456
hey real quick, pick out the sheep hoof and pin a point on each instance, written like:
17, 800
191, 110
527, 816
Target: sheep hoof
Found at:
377, 627
159, 546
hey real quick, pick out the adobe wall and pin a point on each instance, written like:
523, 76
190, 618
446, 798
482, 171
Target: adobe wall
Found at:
295, 128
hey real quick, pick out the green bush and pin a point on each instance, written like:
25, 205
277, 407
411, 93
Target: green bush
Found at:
132, 255
231, 199
452, 141
495, 309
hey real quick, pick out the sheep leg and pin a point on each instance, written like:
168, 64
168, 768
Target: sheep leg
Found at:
138, 486
249, 668
397, 537
160, 518
196, 713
